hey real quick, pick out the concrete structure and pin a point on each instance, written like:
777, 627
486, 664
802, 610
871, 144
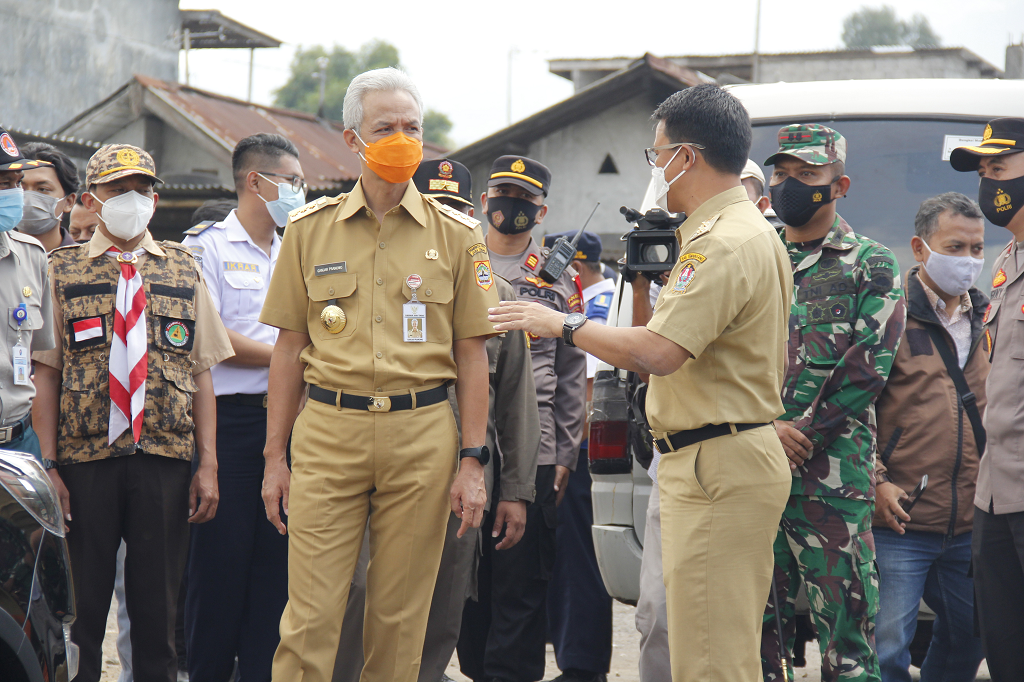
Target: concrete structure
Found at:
593, 143
67, 54
793, 67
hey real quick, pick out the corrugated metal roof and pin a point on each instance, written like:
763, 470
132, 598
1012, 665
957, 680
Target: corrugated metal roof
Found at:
326, 159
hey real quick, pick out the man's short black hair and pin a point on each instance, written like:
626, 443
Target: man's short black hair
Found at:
214, 209
67, 172
709, 116
261, 148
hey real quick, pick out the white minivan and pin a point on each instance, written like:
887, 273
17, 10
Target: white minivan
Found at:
899, 134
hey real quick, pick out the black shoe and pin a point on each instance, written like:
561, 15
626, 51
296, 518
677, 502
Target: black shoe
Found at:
575, 675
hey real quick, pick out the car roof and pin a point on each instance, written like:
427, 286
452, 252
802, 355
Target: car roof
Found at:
909, 97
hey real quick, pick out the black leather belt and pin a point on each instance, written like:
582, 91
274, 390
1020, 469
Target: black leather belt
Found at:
248, 399
682, 439
14, 431
392, 403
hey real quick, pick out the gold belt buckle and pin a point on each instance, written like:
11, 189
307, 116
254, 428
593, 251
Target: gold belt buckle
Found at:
265, 400
379, 404
7, 434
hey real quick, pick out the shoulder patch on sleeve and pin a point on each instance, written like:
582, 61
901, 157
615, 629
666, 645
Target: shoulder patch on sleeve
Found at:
881, 271
599, 306
453, 213
199, 227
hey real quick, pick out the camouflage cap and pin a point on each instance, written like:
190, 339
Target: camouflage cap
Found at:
810, 142
115, 161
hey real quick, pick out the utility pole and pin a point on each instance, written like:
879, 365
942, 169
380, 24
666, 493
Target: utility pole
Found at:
321, 64
755, 65
252, 58
508, 94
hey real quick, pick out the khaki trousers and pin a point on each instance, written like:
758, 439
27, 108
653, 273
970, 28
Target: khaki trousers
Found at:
721, 502
345, 463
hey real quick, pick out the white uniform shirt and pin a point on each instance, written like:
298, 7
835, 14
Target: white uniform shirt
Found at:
237, 273
598, 313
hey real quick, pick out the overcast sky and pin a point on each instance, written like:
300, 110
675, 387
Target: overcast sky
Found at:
458, 51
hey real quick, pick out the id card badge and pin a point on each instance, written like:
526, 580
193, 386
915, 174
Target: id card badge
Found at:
21, 365
414, 322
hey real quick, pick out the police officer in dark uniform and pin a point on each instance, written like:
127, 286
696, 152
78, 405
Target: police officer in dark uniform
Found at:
503, 634
579, 607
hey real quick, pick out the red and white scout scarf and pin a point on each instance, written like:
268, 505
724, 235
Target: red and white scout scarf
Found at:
128, 363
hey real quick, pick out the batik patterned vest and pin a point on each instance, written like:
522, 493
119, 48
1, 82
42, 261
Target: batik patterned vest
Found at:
85, 289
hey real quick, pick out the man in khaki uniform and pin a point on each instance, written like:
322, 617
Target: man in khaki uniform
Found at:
377, 433
512, 421
715, 348
998, 538
124, 472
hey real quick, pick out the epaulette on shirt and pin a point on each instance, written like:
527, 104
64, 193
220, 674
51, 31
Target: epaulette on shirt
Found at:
705, 226
314, 206
26, 239
198, 228
453, 213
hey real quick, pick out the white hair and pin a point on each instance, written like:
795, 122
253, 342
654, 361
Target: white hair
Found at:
379, 80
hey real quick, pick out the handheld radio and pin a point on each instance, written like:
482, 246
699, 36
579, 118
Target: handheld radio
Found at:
563, 252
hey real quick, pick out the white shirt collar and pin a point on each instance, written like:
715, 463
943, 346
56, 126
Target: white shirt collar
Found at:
593, 290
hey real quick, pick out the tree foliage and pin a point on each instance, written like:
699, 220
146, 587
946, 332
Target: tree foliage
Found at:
302, 90
436, 127
873, 26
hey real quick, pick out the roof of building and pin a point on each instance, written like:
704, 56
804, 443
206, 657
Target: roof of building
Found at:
910, 97
208, 28
565, 67
217, 123
637, 77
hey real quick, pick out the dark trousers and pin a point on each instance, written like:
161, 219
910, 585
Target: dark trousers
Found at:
143, 499
998, 555
238, 562
503, 632
579, 608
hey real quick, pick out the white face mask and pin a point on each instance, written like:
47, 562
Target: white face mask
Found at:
953, 274
658, 189
127, 216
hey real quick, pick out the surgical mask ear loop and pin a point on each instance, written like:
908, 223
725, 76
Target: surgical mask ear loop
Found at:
682, 172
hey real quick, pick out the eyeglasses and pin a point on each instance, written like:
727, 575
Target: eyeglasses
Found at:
652, 152
295, 181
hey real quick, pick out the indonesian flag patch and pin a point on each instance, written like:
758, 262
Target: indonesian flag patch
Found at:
87, 331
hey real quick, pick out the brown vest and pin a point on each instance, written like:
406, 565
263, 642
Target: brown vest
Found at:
85, 290
922, 428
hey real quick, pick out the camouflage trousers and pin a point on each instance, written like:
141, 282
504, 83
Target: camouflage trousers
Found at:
825, 543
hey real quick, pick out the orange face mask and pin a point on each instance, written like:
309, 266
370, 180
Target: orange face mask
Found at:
395, 158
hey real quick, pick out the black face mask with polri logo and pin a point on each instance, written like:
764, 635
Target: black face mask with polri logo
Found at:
511, 215
796, 202
1001, 199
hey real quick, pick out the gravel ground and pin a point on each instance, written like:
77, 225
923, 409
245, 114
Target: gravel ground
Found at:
625, 649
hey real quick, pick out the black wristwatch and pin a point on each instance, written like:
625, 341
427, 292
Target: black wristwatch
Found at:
49, 463
573, 321
481, 453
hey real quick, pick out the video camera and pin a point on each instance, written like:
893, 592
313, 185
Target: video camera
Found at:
651, 246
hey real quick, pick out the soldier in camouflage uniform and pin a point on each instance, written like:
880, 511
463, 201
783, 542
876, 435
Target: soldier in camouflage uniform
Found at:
131, 483
846, 320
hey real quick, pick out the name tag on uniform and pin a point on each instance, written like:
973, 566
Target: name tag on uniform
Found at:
414, 322
330, 268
